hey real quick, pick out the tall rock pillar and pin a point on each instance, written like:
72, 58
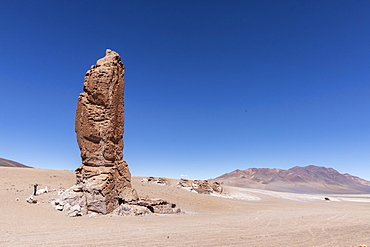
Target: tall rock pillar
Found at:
103, 178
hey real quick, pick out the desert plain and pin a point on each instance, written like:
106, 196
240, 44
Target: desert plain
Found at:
239, 217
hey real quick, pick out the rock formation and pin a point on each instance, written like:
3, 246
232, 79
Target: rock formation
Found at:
103, 180
104, 177
153, 180
200, 186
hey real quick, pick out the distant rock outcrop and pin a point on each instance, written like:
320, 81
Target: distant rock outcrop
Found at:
200, 186
10, 163
309, 179
153, 180
103, 180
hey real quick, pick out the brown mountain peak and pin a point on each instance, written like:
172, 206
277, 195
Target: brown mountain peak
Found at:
10, 163
307, 179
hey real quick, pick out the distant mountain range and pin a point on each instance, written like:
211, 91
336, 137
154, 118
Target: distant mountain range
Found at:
310, 179
10, 163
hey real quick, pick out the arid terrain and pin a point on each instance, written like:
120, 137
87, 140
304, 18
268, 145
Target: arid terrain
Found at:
309, 179
242, 217
10, 163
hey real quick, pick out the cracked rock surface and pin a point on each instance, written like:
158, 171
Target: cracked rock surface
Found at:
103, 183
103, 179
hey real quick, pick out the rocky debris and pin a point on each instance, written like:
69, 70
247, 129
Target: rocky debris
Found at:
73, 205
169, 208
216, 186
147, 206
132, 210
31, 200
59, 207
42, 191
158, 206
73, 202
200, 186
159, 181
185, 183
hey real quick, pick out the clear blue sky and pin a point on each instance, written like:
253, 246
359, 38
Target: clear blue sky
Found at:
211, 86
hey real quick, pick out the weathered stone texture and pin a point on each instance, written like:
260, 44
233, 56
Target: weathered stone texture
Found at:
99, 116
200, 186
103, 179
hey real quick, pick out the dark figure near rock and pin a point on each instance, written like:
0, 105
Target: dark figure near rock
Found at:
35, 189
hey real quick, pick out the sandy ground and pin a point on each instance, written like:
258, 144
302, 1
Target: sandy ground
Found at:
257, 218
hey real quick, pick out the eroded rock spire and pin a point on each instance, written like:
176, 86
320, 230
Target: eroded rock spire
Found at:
103, 179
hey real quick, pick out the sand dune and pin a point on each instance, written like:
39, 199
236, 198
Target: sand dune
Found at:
241, 217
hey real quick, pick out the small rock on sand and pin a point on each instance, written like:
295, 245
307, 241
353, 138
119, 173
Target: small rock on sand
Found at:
31, 200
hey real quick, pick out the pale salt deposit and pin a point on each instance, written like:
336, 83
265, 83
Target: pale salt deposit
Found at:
239, 192
239, 196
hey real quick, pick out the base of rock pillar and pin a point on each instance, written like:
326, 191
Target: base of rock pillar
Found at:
76, 202
104, 180
107, 190
98, 189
